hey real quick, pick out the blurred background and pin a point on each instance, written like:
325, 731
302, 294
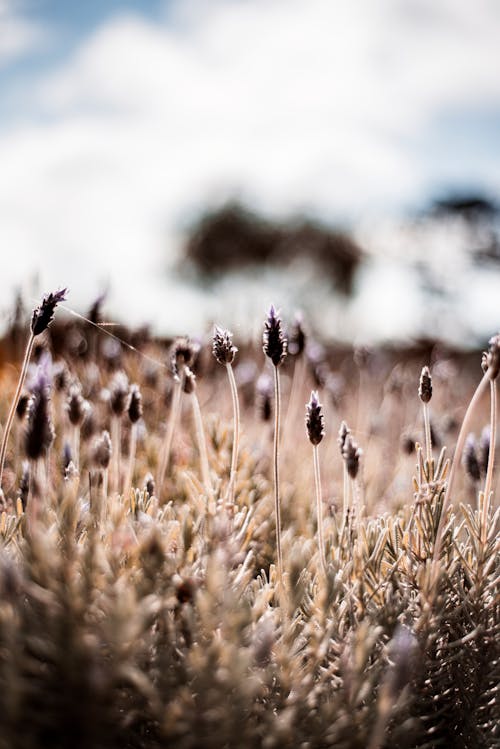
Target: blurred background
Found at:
197, 160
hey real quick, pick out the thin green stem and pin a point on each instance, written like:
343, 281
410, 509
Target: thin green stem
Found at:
10, 418
236, 433
319, 509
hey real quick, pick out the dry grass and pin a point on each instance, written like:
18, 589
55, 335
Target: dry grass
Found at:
144, 620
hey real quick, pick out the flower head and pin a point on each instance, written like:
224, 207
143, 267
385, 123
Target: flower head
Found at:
134, 404
222, 347
298, 338
273, 339
182, 352
315, 421
44, 314
425, 385
102, 450
351, 454
40, 433
491, 358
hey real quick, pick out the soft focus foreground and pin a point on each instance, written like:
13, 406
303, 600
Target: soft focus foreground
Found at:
141, 603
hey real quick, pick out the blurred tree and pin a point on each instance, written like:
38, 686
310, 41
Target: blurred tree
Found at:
233, 237
480, 215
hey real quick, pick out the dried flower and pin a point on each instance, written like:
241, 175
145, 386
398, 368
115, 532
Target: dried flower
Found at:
183, 352
273, 339
149, 484
102, 450
408, 443
69, 469
222, 347
351, 454
40, 432
298, 338
362, 356
135, 404
22, 406
470, 459
94, 313
60, 376
43, 315
66, 456
343, 432
89, 426
484, 449
77, 407
425, 385
491, 359
118, 395
315, 421
185, 590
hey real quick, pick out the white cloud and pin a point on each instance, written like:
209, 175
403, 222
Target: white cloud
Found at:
18, 36
292, 103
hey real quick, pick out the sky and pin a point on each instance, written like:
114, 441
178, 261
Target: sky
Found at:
120, 121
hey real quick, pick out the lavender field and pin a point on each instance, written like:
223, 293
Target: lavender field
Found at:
282, 545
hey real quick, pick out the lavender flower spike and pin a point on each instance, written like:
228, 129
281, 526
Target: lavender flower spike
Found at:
315, 421
44, 313
274, 341
222, 347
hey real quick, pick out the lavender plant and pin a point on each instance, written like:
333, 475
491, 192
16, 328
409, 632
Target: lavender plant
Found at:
182, 354
315, 427
139, 621
41, 318
224, 351
274, 344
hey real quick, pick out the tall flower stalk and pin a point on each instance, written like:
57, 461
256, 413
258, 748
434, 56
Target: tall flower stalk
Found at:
275, 347
190, 390
224, 351
491, 363
296, 348
77, 409
118, 401
40, 320
491, 370
40, 432
182, 354
315, 427
351, 455
425, 394
341, 439
492, 441
102, 453
134, 411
